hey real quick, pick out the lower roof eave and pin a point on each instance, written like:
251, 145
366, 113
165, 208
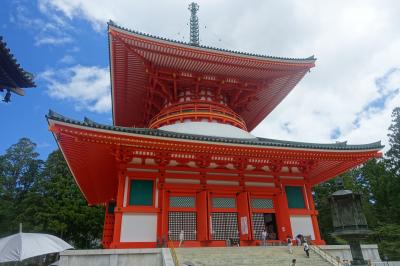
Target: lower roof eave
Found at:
250, 143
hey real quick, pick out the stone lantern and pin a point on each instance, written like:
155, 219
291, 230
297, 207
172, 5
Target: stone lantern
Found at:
349, 222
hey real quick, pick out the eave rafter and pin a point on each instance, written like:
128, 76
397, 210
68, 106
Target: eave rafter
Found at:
128, 48
206, 79
337, 170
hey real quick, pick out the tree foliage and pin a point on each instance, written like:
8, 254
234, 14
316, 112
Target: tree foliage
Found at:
20, 168
44, 197
393, 154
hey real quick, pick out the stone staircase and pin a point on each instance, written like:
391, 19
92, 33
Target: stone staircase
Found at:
271, 255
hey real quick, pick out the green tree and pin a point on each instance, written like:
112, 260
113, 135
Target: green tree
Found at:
387, 193
393, 162
393, 154
45, 198
64, 212
20, 169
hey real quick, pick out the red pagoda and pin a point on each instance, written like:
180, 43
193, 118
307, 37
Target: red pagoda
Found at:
179, 155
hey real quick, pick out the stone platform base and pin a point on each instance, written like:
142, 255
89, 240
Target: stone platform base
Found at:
370, 252
270, 255
116, 257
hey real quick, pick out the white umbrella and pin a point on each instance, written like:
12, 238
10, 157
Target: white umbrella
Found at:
26, 245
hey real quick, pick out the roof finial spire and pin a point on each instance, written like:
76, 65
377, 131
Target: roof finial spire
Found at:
194, 24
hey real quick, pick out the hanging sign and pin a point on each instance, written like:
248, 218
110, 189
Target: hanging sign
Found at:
243, 225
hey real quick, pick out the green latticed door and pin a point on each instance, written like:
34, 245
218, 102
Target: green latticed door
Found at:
141, 193
294, 195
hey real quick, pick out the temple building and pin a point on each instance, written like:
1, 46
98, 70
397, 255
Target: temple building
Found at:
180, 156
13, 78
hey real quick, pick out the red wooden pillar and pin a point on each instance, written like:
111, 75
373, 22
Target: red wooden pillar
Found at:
209, 218
164, 214
282, 214
118, 207
243, 215
314, 213
202, 215
160, 201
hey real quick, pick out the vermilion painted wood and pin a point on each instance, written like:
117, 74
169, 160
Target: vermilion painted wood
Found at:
157, 82
243, 211
202, 224
108, 155
141, 66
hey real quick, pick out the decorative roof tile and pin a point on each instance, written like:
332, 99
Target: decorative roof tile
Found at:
113, 24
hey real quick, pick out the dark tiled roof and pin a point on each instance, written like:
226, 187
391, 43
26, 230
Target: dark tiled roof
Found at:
308, 59
256, 141
12, 75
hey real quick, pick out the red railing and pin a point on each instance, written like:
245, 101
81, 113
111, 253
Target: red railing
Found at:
196, 111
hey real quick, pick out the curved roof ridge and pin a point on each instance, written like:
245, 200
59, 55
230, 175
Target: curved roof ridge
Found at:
113, 24
254, 142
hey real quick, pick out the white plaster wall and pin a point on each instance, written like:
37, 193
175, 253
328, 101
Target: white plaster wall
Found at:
222, 182
259, 184
182, 181
139, 227
302, 224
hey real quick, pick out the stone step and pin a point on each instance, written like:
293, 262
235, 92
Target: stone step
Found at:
276, 255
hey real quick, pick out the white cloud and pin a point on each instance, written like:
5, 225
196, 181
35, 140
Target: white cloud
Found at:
51, 29
67, 59
87, 87
356, 43
52, 40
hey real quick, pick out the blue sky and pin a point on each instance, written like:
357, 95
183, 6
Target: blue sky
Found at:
25, 116
348, 96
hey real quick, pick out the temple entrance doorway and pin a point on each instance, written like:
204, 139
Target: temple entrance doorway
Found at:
182, 216
224, 218
265, 221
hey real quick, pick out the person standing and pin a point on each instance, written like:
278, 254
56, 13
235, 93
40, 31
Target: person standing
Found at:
289, 243
299, 239
307, 249
181, 237
264, 237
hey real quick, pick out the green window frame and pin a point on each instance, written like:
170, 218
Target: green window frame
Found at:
257, 203
182, 201
223, 202
141, 192
294, 195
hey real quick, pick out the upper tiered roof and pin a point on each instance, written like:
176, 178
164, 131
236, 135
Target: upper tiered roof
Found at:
140, 61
